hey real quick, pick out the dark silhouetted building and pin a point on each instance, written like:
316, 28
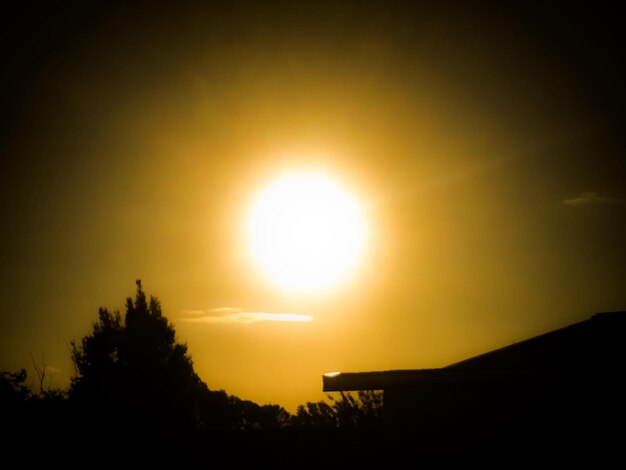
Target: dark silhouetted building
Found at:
557, 397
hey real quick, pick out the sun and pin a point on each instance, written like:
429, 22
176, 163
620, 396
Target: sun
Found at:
306, 232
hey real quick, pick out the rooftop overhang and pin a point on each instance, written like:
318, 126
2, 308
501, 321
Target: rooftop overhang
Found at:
396, 379
350, 381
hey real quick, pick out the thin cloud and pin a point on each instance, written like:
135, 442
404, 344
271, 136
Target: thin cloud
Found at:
226, 310
589, 198
238, 316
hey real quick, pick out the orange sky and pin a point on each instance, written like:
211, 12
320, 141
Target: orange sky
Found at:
486, 144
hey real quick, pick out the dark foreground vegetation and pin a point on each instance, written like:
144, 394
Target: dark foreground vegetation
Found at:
135, 399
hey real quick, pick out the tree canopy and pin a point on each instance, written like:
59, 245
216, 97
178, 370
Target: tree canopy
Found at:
134, 366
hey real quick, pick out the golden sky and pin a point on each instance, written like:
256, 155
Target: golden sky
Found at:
484, 143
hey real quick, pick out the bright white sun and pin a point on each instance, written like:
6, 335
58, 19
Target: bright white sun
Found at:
306, 232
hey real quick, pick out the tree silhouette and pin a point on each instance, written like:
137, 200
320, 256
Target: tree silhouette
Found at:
135, 399
133, 370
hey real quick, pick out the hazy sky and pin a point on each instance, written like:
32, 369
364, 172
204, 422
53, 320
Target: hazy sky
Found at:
486, 143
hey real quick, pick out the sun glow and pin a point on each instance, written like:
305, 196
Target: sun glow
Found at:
306, 232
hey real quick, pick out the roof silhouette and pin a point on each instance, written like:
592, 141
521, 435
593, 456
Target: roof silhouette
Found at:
593, 343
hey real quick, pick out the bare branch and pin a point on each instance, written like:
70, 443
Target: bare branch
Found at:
40, 370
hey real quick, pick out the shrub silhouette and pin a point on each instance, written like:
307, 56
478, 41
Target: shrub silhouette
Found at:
346, 412
13, 389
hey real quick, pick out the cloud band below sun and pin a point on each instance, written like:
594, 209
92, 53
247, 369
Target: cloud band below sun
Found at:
588, 198
237, 315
